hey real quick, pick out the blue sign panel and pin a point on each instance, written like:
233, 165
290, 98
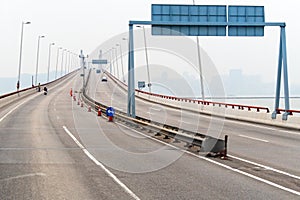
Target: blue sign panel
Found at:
177, 18
246, 15
99, 61
110, 112
141, 84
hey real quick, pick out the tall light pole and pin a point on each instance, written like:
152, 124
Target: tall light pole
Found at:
121, 55
37, 58
57, 55
62, 62
146, 54
200, 66
66, 63
70, 62
20, 58
112, 58
116, 56
51, 44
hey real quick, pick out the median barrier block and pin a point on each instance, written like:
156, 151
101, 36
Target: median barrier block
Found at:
213, 145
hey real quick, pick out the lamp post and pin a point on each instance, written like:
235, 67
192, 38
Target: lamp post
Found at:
116, 56
37, 58
57, 55
20, 58
146, 54
71, 63
51, 44
200, 66
121, 55
111, 60
66, 63
62, 62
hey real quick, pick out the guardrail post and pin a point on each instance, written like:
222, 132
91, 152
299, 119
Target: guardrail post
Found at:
225, 149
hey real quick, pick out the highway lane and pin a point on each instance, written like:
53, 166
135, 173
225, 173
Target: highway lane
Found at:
156, 171
276, 147
38, 160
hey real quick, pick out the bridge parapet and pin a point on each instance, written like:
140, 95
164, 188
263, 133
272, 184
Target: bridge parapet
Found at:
12, 97
252, 114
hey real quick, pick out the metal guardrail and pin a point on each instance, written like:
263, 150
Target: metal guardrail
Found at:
205, 142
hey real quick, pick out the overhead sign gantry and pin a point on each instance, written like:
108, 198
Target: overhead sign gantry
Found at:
210, 20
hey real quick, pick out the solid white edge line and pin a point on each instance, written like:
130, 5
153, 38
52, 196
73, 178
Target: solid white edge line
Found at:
253, 138
223, 165
266, 167
109, 173
73, 137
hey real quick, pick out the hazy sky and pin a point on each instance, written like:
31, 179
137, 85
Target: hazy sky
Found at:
85, 24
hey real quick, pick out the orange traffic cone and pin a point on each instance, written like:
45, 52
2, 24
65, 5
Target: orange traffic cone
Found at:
110, 119
99, 112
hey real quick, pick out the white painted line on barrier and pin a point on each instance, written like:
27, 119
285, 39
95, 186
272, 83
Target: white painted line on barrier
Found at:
118, 108
180, 121
226, 166
109, 173
253, 138
157, 109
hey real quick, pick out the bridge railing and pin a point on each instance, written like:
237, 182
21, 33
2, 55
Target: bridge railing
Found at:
279, 110
249, 114
205, 103
226, 105
12, 97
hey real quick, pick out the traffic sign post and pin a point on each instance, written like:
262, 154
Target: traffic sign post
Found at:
110, 112
141, 85
206, 20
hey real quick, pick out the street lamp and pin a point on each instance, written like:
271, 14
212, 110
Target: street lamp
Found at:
37, 58
200, 66
62, 61
70, 61
20, 58
116, 56
66, 63
146, 54
51, 44
112, 66
119, 45
57, 61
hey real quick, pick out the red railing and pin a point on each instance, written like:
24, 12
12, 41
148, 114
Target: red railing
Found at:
279, 110
226, 105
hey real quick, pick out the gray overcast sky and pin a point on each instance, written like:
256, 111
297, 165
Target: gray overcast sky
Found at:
84, 24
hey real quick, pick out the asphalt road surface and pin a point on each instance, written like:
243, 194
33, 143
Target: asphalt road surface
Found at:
277, 147
52, 148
